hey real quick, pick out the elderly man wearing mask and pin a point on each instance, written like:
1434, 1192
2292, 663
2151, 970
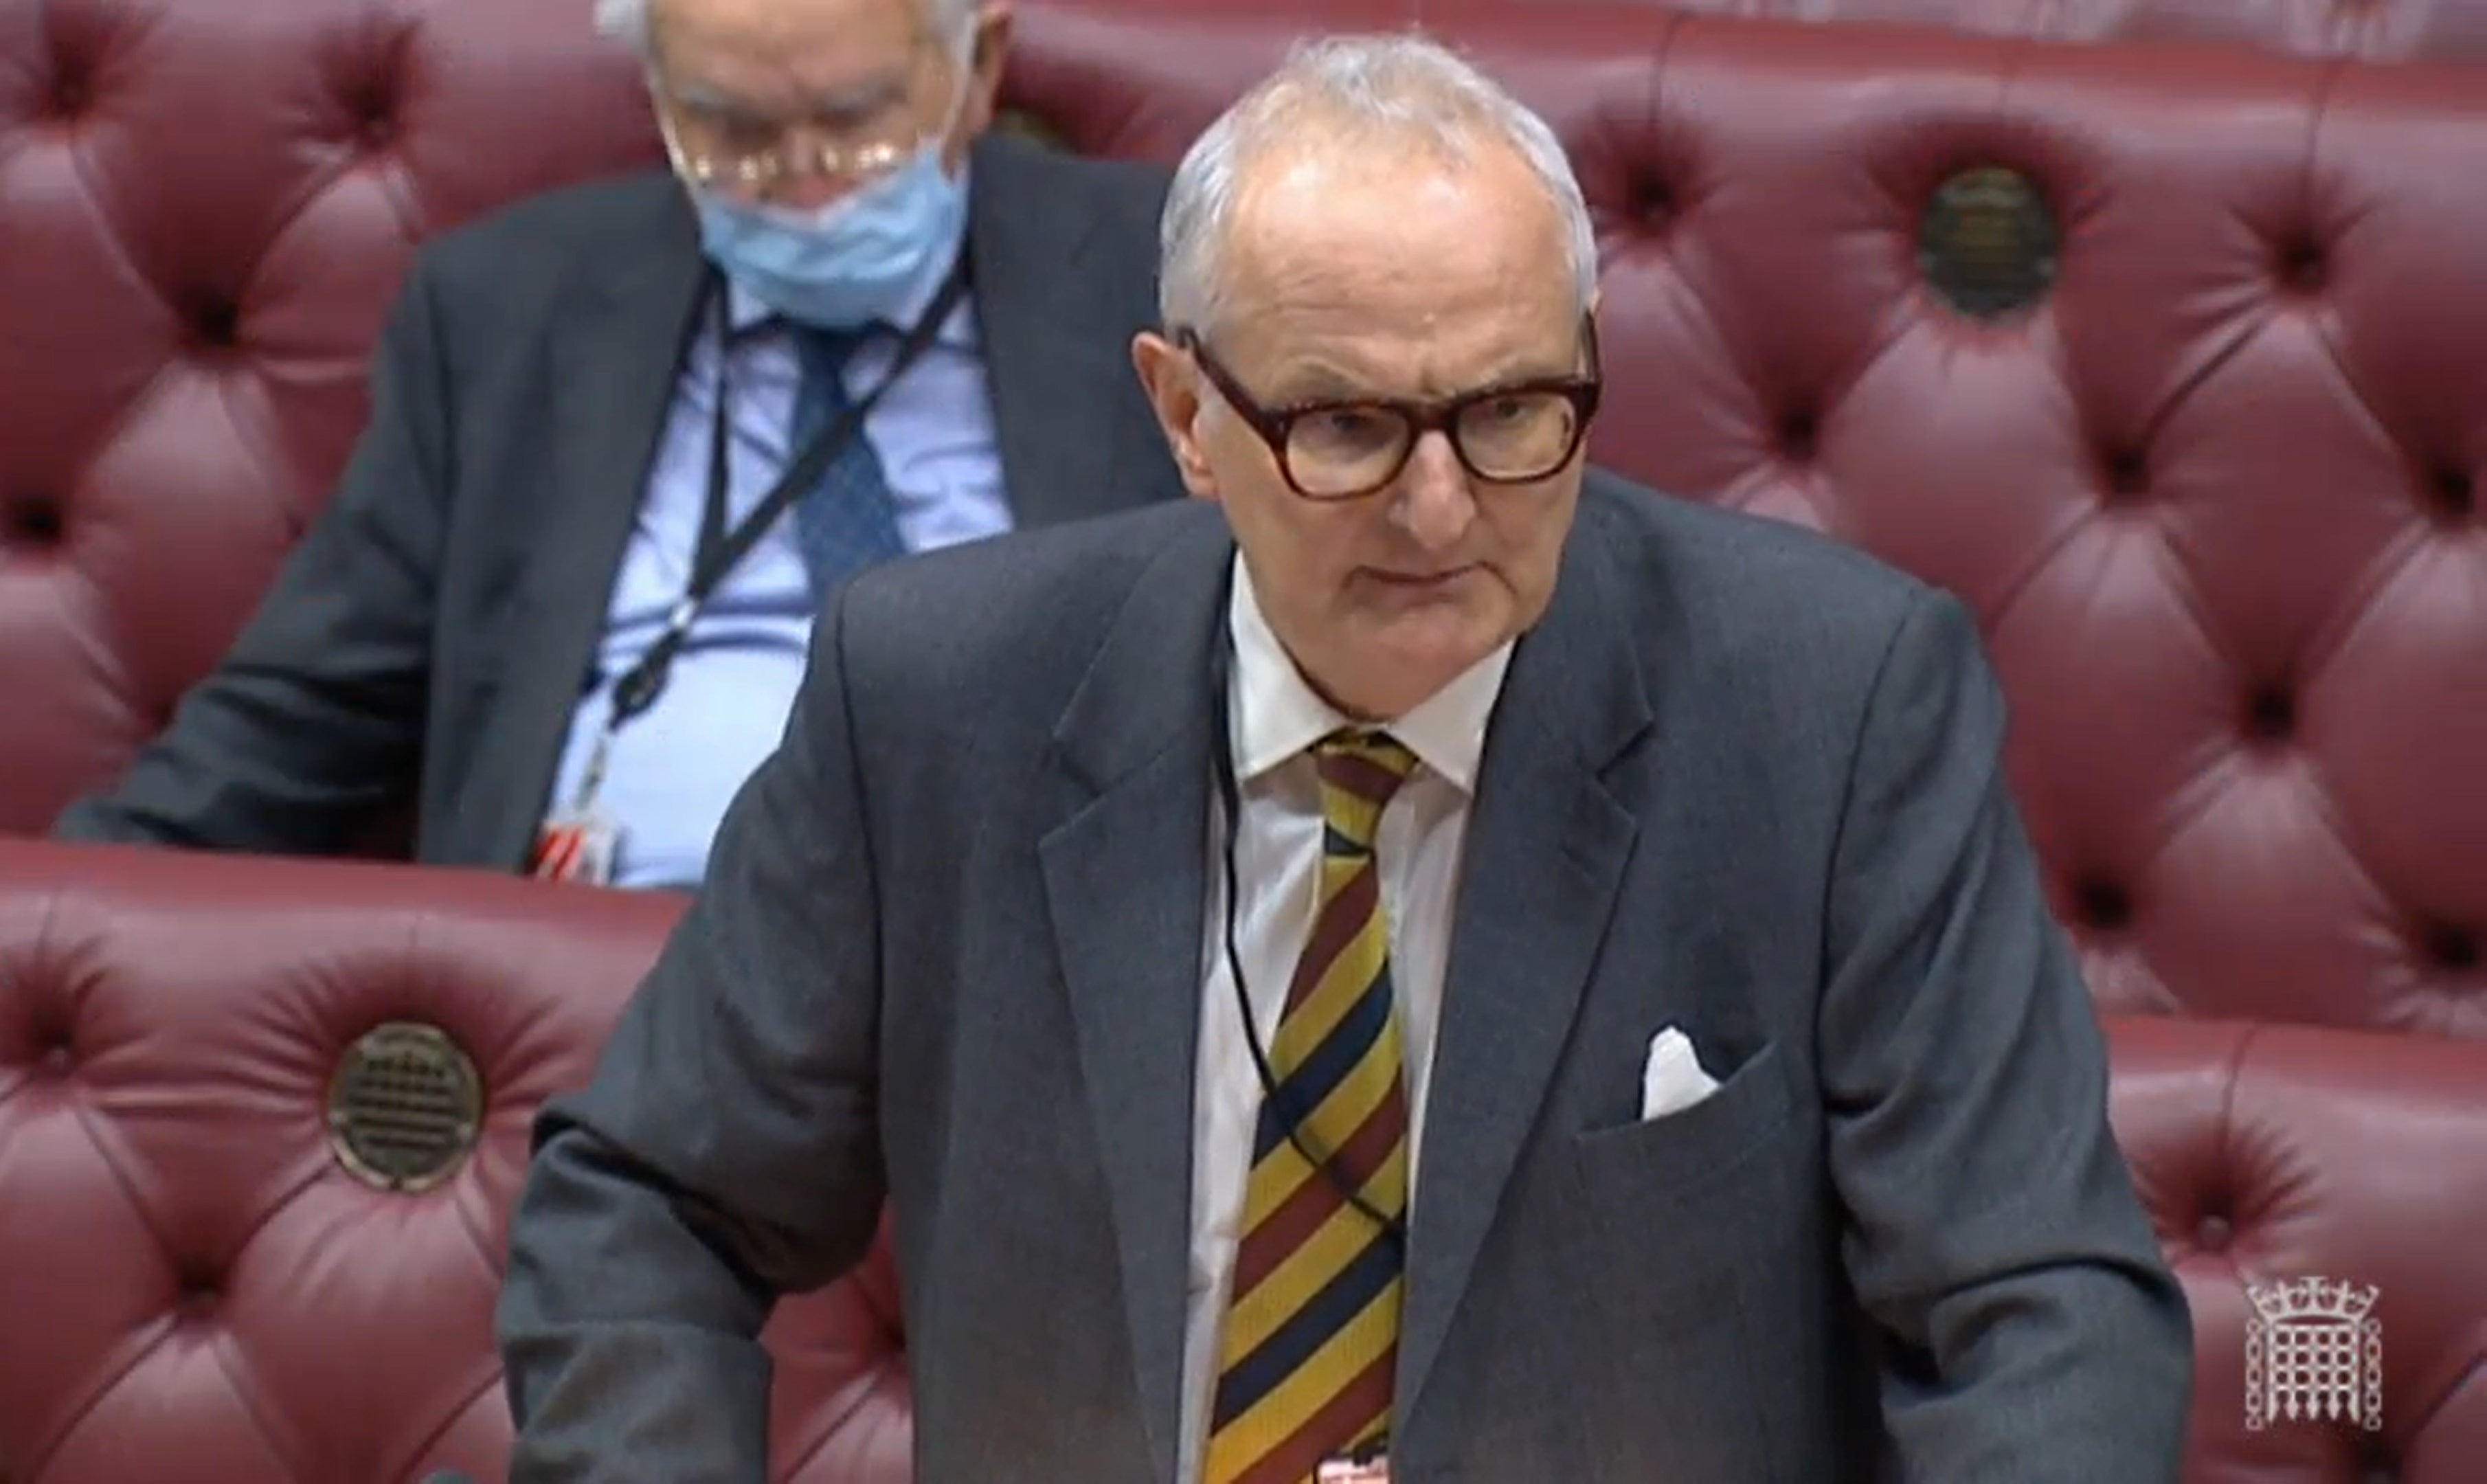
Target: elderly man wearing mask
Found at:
627, 437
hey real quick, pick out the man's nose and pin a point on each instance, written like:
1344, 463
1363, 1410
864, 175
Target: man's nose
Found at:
806, 183
1437, 504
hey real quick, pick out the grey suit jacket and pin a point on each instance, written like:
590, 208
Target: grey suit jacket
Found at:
428, 639
1741, 781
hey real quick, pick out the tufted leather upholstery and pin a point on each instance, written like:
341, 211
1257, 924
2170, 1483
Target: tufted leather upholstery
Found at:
209, 209
2216, 500
197, 1290
2268, 1152
2440, 30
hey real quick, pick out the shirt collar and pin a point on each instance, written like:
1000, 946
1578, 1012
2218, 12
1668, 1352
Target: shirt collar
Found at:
958, 333
1278, 714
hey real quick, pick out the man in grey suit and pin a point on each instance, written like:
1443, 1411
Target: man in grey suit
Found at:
1461, 966
504, 572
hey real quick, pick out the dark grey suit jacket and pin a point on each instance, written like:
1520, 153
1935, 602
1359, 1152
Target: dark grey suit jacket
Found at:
429, 638
1741, 780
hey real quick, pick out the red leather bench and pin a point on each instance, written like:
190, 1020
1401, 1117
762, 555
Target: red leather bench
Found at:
2204, 451
2374, 30
2216, 497
205, 1280
2214, 491
200, 1287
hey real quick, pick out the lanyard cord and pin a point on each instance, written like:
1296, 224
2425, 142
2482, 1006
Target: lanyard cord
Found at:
722, 548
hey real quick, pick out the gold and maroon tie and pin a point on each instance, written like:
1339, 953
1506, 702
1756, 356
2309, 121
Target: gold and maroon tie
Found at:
1312, 1325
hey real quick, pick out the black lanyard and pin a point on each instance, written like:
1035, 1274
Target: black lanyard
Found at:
722, 548
1292, 1115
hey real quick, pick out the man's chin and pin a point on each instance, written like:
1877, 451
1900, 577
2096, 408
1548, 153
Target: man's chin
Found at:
1443, 638
1404, 676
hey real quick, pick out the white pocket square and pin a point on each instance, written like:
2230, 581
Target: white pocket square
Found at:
1671, 1079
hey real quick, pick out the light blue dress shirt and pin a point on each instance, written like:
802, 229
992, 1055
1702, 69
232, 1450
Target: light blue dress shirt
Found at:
673, 769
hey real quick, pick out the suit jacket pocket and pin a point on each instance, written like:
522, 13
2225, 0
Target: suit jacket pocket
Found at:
1678, 1151
1679, 1227
1673, 1207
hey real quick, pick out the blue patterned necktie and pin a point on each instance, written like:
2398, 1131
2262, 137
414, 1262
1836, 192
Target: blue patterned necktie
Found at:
846, 522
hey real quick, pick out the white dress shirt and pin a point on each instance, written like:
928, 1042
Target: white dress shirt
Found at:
1273, 718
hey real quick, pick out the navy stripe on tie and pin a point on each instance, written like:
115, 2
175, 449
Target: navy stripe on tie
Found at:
1307, 1331
1301, 1091
1338, 845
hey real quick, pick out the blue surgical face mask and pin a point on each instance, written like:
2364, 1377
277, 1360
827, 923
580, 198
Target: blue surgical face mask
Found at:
862, 256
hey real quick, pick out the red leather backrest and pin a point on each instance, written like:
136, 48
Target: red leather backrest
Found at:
194, 1284
2375, 30
2275, 1157
205, 211
2216, 499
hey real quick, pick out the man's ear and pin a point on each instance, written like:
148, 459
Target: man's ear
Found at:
1172, 383
994, 24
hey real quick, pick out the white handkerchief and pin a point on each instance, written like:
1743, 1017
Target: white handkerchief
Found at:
1671, 1079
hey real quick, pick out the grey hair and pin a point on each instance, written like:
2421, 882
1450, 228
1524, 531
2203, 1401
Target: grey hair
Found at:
1404, 85
632, 22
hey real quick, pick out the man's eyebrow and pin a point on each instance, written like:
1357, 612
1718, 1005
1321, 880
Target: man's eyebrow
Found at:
699, 94
1535, 369
868, 95
1325, 381
1318, 381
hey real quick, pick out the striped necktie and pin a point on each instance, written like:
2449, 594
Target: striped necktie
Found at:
1312, 1325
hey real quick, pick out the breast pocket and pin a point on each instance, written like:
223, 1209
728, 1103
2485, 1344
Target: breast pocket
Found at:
1692, 1144
1680, 1200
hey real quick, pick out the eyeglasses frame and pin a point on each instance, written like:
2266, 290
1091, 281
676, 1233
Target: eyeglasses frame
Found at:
1275, 425
761, 170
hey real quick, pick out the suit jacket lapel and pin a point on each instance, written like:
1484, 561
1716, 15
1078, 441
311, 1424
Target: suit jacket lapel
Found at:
1125, 880
1547, 848
1057, 314
614, 361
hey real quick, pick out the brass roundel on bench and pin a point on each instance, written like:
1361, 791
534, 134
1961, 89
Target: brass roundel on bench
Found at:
1989, 242
404, 1107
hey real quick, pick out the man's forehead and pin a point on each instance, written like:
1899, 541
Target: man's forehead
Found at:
794, 29
881, 87
1313, 234
775, 57
1396, 199
1302, 348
